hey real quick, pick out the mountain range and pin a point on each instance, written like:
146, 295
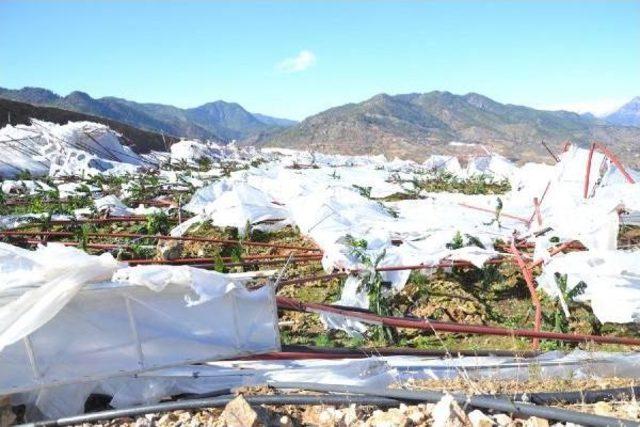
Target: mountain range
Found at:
219, 120
412, 125
408, 125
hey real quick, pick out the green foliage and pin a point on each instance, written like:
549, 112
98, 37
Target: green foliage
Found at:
24, 175
323, 341
204, 163
498, 212
457, 241
442, 181
81, 235
157, 223
218, 264
364, 191
371, 281
558, 318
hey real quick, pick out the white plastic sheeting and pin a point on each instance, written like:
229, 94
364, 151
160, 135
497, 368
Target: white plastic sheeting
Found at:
612, 279
192, 152
64, 319
238, 207
382, 372
77, 148
324, 196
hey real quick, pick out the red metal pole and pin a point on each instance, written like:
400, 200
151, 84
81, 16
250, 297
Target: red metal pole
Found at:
588, 174
528, 278
493, 211
285, 303
158, 237
614, 159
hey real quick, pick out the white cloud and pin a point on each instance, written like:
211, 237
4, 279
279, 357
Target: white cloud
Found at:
598, 108
300, 62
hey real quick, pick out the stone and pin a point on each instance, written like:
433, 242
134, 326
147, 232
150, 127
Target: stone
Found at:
536, 422
603, 408
479, 419
447, 413
503, 420
168, 419
169, 249
350, 415
390, 418
311, 415
416, 414
285, 421
238, 413
331, 417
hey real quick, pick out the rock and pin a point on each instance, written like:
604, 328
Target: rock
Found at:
350, 415
503, 420
311, 415
391, 418
479, 419
285, 421
416, 414
168, 419
536, 422
238, 413
169, 249
447, 413
7, 417
603, 408
331, 417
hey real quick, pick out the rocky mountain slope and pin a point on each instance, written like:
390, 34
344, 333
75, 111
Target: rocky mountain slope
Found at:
627, 115
141, 141
417, 125
216, 120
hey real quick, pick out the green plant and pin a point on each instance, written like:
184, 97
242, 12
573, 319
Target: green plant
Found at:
372, 283
364, 191
498, 212
457, 242
81, 235
567, 301
157, 223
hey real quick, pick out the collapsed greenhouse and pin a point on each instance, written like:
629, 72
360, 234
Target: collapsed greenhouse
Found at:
143, 277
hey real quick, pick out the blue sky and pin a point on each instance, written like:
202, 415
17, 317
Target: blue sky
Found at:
296, 58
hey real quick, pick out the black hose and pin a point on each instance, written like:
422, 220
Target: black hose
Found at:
342, 399
581, 396
499, 404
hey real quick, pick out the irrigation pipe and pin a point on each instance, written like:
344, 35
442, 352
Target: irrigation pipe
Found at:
483, 402
215, 402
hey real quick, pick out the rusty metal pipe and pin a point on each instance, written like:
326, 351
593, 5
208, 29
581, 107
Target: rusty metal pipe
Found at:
285, 303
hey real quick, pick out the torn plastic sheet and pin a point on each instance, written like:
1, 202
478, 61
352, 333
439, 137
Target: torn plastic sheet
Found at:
76, 148
62, 320
151, 386
612, 279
